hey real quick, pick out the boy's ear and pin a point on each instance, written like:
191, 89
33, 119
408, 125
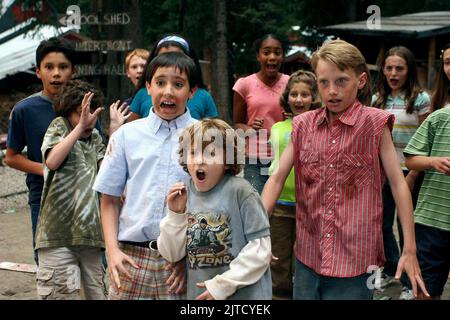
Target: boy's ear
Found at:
147, 86
38, 73
362, 80
193, 91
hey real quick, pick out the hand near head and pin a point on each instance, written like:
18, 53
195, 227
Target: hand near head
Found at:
177, 198
118, 115
88, 119
205, 295
408, 262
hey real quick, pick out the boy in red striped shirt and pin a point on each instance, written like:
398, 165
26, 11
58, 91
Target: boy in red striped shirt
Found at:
341, 154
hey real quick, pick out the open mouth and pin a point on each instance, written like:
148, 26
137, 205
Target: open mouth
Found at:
394, 82
166, 104
334, 101
200, 174
272, 66
56, 83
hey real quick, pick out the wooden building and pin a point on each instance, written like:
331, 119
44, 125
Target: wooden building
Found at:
424, 33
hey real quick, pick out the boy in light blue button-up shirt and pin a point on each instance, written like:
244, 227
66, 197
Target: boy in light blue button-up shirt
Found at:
141, 162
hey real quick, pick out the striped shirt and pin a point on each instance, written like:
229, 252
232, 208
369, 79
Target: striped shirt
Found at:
405, 123
432, 139
339, 178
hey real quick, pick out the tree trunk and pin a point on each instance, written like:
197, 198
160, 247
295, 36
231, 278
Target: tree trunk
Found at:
220, 66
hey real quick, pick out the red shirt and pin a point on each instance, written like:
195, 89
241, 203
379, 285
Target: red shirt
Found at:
339, 178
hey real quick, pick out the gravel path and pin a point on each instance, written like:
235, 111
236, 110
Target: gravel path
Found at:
13, 190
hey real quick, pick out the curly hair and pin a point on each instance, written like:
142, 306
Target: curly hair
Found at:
306, 77
208, 131
72, 95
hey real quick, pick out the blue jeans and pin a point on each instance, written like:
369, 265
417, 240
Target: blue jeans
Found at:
308, 285
34, 208
257, 175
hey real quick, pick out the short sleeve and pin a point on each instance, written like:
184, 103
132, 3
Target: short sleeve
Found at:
56, 132
254, 217
210, 106
112, 176
16, 130
422, 103
138, 101
422, 140
98, 145
241, 87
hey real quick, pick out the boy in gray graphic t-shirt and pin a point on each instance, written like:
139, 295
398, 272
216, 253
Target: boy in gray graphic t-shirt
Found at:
217, 220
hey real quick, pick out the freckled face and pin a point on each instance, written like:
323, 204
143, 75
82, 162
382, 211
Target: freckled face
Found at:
135, 69
338, 88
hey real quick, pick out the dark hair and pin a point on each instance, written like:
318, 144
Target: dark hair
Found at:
309, 79
211, 128
412, 87
165, 42
441, 92
72, 95
55, 45
258, 42
178, 60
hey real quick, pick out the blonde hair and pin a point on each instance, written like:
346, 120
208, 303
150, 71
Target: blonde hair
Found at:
345, 56
306, 77
211, 128
141, 53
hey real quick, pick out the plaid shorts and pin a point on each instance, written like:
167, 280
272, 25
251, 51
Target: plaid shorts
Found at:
148, 282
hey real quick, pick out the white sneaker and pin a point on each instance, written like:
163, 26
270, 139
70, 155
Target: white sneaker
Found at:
407, 294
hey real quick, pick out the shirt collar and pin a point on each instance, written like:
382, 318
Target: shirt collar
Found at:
156, 122
390, 98
349, 116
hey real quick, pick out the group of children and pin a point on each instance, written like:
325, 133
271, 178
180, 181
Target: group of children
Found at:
176, 220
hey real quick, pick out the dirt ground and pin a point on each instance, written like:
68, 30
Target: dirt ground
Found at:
15, 246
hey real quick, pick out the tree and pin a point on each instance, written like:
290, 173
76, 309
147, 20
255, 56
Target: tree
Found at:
221, 63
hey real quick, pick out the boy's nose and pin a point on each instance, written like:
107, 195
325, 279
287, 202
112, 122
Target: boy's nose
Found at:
168, 89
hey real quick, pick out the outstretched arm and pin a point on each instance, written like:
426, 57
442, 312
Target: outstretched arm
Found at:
400, 191
275, 183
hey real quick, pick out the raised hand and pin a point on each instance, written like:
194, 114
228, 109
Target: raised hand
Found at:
87, 119
177, 198
118, 115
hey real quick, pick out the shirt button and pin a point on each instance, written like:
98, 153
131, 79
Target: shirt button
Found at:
331, 211
331, 166
328, 235
330, 188
334, 141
